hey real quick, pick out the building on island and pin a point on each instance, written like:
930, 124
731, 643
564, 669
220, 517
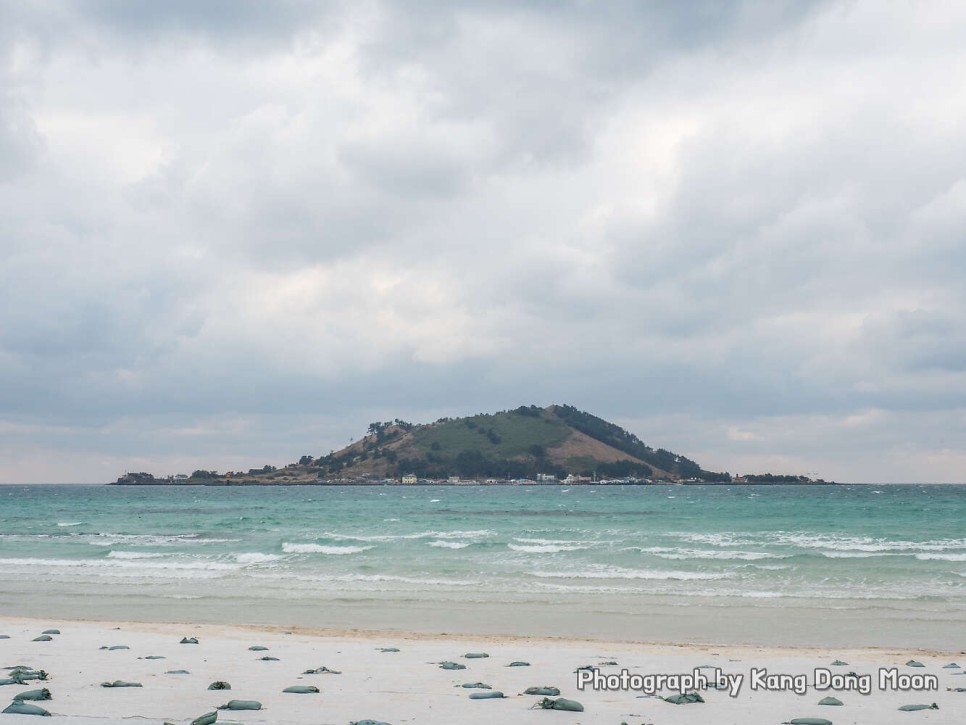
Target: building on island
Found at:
409, 478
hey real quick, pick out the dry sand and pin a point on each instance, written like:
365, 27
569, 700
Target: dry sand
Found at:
409, 687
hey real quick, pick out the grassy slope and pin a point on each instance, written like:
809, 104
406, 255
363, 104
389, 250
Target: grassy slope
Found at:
512, 435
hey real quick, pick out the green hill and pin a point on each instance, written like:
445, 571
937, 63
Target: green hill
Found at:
522, 442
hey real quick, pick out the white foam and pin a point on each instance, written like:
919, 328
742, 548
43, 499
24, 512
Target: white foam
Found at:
544, 548
941, 557
449, 544
321, 549
69, 523
256, 557
133, 555
672, 553
613, 572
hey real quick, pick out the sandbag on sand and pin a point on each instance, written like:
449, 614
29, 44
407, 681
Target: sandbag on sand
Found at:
685, 699
830, 701
188, 640
475, 655
51, 631
302, 690
257, 648
809, 721
121, 683
839, 663
268, 658
451, 666
209, 718
368, 722
519, 664
241, 705
219, 685
551, 691
25, 708
322, 671
42, 694
913, 708
560, 704
388, 649
913, 663
42, 638
491, 695
475, 686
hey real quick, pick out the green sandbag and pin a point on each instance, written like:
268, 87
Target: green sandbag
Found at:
25, 708
475, 686
24, 675
810, 721
545, 691
207, 719
475, 655
257, 648
388, 649
956, 689
588, 668
560, 704
152, 657
491, 695
177, 672
4, 636
241, 705
685, 699
302, 690
322, 671
41, 694
51, 631
830, 701
913, 663
368, 722
519, 664
121, 683
188, 640
839, 663
613, 663
117, 646
451, 666
951, 666
219, 685
268, 658
10, 681
913, 708
42, 638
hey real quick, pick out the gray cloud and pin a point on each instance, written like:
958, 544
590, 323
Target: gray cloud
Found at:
235, 234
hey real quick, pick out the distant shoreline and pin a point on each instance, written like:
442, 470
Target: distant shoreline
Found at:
528, 484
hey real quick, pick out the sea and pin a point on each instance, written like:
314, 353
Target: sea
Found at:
858, 565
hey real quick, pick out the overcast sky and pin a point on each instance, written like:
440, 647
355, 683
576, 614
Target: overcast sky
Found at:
233, 233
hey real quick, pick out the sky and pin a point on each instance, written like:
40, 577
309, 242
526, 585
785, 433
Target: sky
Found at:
233, 233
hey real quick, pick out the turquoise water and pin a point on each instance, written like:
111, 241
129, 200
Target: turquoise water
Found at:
121, 551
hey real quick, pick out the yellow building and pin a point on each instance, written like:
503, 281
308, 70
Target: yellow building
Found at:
409, 478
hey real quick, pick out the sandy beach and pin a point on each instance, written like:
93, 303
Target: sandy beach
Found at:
410, 686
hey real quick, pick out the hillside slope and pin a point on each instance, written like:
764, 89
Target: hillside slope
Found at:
517, 443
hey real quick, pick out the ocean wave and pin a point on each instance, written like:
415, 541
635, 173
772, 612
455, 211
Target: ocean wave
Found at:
151, 539
613, 572
133, 555
449, 544
256, 557
322, 549
673, 553
544, 548
941, 557
381, 538
69, 523
549, 542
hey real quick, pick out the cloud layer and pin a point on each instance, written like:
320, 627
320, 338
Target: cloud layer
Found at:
234, 233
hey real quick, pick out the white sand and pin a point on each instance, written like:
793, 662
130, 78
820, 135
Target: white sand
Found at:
406, 687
